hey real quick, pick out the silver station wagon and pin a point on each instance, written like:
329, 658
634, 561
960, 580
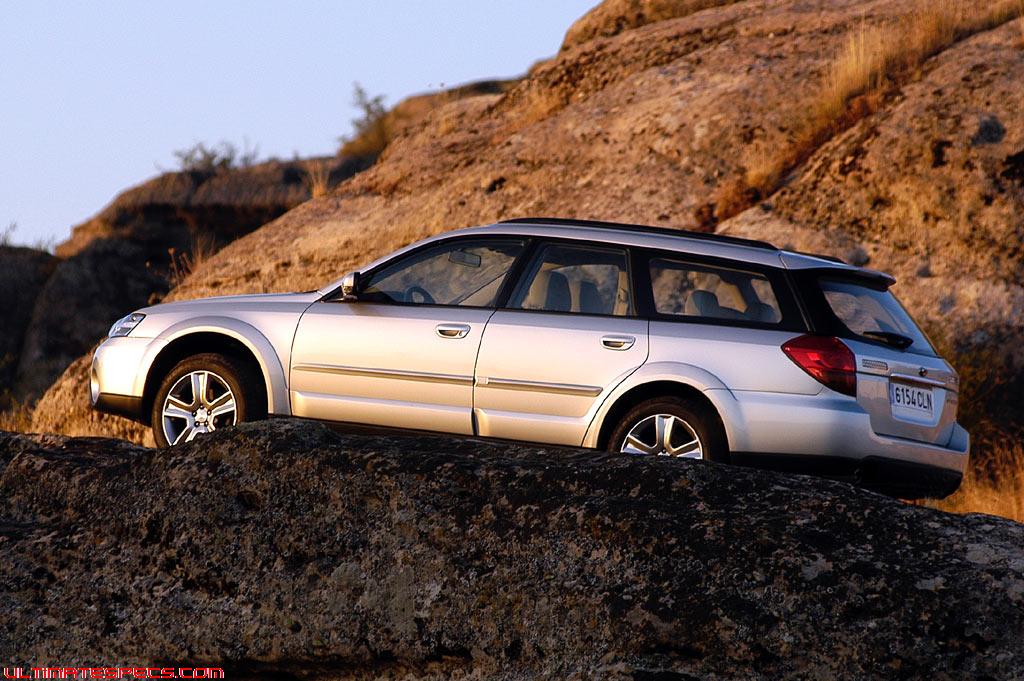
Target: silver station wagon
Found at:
632, 339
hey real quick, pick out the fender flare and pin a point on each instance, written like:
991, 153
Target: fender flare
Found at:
684, 374
274, 376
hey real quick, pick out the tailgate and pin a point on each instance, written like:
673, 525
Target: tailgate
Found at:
907, 395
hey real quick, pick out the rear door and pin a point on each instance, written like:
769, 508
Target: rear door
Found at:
906, 388
567, 337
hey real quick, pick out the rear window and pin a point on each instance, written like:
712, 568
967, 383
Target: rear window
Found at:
874, 314
707, 292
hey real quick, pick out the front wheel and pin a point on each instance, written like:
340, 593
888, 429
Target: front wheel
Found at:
671, 426
204, 393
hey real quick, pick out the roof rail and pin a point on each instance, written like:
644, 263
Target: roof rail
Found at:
647, 229
819, 256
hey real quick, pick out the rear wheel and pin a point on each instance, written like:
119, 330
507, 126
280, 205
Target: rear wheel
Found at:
671, 426
204, 393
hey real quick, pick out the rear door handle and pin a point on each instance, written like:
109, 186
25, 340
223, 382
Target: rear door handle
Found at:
618, 342
452, 330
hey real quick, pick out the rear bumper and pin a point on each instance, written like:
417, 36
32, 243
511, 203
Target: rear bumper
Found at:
903, 479
832, 435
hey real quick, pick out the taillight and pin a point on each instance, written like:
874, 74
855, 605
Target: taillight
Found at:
827, 360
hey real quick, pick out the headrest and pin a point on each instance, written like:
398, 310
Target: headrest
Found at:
703, 303
558, 297
591, 301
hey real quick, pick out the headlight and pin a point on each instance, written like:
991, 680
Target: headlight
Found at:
124, 325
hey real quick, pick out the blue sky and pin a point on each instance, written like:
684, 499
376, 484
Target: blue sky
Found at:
96, 96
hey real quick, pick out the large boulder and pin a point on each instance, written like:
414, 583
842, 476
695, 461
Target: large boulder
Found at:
285, 548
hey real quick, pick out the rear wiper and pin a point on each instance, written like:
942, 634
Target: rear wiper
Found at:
897, 340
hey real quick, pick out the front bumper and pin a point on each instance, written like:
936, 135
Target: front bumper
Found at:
117, 376
832, 436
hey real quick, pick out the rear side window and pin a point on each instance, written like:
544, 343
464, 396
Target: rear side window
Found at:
581, 279
706, 292
874, 314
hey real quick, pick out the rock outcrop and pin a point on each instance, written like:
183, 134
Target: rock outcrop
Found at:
23, 271
612, 17
284, 547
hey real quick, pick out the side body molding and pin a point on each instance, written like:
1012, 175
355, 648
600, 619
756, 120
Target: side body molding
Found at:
674, 372
268, 357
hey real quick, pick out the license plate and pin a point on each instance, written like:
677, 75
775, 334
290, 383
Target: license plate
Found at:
912, 401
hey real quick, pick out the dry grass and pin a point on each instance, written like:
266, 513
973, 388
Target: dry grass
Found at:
999, 491
875, 56
317, 179
1020, 24
874, 61
183, 264
16, 417
990, 393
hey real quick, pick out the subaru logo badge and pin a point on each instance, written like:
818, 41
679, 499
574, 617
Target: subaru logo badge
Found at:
922, 372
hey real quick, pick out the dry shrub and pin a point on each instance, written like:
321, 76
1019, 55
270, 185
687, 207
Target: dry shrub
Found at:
371, 131
204, 246
318, 179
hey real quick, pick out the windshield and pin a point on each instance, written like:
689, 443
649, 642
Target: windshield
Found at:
875, 315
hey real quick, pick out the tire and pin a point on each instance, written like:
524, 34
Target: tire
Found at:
224, 376
693, 421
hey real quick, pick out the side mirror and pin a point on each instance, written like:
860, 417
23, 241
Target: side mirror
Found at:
350, 286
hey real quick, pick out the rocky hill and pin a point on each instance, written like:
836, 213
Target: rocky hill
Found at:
725, 116
283, 549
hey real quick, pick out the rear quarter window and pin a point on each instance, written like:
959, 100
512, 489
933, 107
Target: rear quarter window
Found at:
712, 293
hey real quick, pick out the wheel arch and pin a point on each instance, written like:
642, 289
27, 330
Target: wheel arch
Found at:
238, 340
664, 379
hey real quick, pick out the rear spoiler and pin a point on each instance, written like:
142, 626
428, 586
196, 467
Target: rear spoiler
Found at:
860, 275
834, 267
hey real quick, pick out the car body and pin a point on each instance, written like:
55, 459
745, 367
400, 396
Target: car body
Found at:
555, 331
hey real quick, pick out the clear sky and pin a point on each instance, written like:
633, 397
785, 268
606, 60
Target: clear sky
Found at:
96, 96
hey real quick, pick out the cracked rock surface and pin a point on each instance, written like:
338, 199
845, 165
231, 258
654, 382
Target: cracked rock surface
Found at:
285, 548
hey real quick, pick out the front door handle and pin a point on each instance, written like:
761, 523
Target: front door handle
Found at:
618, 342
452, 330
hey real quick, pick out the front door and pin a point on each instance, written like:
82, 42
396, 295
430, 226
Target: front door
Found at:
403, 354
566, 339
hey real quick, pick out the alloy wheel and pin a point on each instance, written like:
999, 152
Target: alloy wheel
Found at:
198, 402
663, 435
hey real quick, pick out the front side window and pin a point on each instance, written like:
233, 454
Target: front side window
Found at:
462, 272
707, 292
874, 314
581, 279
